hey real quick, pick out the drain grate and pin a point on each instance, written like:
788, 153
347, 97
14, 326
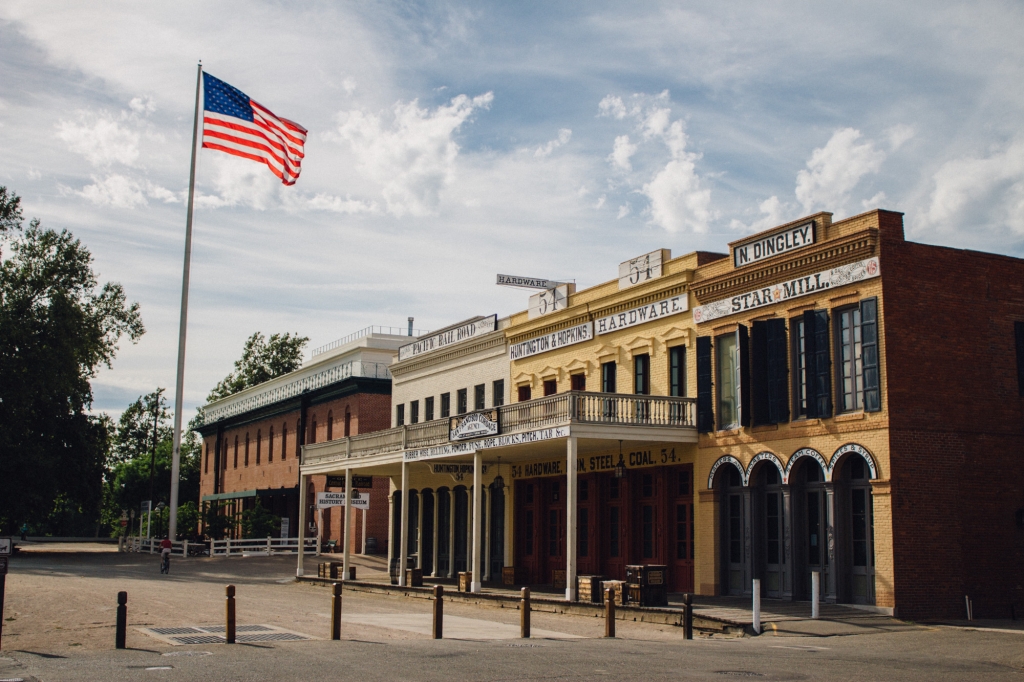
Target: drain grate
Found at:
272, 637
173, 631
212, 634
196, 639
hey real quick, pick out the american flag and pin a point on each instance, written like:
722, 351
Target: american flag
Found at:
236, 124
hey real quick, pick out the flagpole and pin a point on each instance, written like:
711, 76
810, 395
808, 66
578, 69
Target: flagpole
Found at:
179, 391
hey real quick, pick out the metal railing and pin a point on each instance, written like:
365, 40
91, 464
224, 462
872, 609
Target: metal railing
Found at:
555, 410
373, 329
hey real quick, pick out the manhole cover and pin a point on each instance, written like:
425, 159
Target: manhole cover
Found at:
740, 673
213, 634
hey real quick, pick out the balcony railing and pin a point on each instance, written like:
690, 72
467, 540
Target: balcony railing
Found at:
555, 410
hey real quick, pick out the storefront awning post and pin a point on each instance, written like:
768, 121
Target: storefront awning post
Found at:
477, 515
302, 525
346, 534
570, 519
403, 548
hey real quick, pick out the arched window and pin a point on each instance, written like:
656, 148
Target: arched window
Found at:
236, 453
312, 431
298, 439
348, 423
224, 455
270, 446
284, 441
246, 448
206, 462
330, 425
259, 441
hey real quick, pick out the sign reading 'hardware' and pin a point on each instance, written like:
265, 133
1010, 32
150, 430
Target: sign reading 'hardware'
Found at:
784, 241
647, 313
448, 337
526, 282
784, 291
560, 339
473, 425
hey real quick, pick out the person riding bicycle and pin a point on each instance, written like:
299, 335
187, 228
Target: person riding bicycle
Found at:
165, 555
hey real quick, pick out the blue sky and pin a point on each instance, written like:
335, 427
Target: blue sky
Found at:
451, 141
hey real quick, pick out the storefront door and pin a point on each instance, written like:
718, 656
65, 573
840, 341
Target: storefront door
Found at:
587, 548
613, 523
554, 527
650, 535
527, 532
681, 529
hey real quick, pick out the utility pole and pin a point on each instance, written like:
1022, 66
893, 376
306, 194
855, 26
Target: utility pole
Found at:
152, 457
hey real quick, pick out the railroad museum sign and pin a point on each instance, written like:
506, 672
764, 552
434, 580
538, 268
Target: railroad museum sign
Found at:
560, 339
647, 313
473, 425
794, 288
783, 241
357, 481
448, 337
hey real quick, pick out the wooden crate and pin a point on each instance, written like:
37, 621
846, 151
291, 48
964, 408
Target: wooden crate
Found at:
588, 588
465, 581
414, 577
618, 589
508, 576
558, 578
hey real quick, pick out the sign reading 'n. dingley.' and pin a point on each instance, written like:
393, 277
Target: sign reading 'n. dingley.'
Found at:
473, 425
448, 337
542, 344
794, 288
645, 313
790, 239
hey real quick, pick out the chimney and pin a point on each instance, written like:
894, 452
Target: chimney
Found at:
410, 326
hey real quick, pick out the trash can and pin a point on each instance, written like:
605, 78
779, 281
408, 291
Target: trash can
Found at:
465, 581
588, 588
414, 577
647, 584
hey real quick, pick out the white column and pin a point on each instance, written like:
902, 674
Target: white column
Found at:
451, 532
478, 464
487, 534
302, 524
391, 524
403, 549
363, 550
320, 529
570, 520
437, 508
346, 535
419, 530
510, 556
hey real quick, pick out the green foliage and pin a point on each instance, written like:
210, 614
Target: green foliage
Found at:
147, 420
259, 523
57, 326
262, 360
215, 521
188, 519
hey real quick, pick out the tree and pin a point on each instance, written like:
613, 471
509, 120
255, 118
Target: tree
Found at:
262, 360
57, 326
258, 522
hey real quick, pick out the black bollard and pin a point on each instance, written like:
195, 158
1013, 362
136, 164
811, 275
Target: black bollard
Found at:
688, 616
524, 615
438, 611
609, 612
229, 613
336, 612
122, 620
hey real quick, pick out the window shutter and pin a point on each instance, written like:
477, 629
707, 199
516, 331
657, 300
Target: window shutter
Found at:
1018, 330
776, 348
705, 398
744, 379
810, 361
869, 354
759, 360
822, 365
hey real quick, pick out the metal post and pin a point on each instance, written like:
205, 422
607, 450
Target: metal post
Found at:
438, 629
451, 532
477, 516
336, 612
570, 520
346, 536
609, 612
229, 614
688, 616
302, 524
524, 614
363, 514
122, 620
815, 593
320, 529
757, 606
3, 588
179, 389
403, 549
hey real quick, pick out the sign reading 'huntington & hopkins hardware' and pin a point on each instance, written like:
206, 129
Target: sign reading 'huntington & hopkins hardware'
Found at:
794, 288
542, 344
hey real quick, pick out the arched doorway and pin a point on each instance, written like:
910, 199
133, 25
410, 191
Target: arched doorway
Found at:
734, 518
412, 546
427, 524
497, 529
855, 529
461, 524
444, 520
770, 523
812, 524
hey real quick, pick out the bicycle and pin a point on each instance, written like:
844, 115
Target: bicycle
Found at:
165, 562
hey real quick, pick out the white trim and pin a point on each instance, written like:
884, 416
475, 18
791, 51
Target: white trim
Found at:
860, 450
723, 460
763, 456
807, 452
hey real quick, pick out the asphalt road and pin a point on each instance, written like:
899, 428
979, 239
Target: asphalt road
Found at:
59, 626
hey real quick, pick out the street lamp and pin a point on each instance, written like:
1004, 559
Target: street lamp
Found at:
620, 468
159, 512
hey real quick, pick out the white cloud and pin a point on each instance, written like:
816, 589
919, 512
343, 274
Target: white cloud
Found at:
678, 203
564, 135
121, 191
600, 201
348, 205
622, 150
624, 210
876, 201
142, 105
412, 157
980, 190
612, 106
835, 169
773, 213
898, 135
349, 85
101, 139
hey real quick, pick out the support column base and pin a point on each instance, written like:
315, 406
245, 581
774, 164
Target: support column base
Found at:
475, 586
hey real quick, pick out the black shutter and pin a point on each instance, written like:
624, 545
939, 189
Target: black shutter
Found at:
822, 365
777, 351
744, 346
705, 399
1018, 330
869, 354
810, 320
759, 359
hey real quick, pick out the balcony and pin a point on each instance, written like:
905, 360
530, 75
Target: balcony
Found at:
563, 409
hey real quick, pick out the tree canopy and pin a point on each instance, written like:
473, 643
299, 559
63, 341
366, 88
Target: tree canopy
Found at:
262, 359
58, 325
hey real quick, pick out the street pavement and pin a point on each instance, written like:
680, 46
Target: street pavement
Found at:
59, 625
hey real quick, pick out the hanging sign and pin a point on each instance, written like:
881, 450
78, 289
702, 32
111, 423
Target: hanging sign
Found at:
526, 282
783, 241
642, 268
470, 447
6, 546
473, 425
357, 482
784, 291
647, 313
447, 337
325, 500
560, 339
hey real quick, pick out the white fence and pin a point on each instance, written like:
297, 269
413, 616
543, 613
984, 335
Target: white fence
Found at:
183, 548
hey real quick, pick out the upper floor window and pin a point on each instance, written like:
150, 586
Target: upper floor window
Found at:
642, 374
330, 425
461, 398
428, 409
298, 441
246, 449
578, 382
798, 334
479, 397
856, 336
727, 353
524, 392
446, 405
812, 376
270, 446
206, 462
608, 377
498, 393
677, 371
414, 412
348, 423
1018, 333
312, 430
259, 441
284, 441
400, 415
550, 386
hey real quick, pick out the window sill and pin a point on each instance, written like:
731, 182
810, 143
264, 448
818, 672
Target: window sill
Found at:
849, 416
725, 433
805, 423
764, 427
